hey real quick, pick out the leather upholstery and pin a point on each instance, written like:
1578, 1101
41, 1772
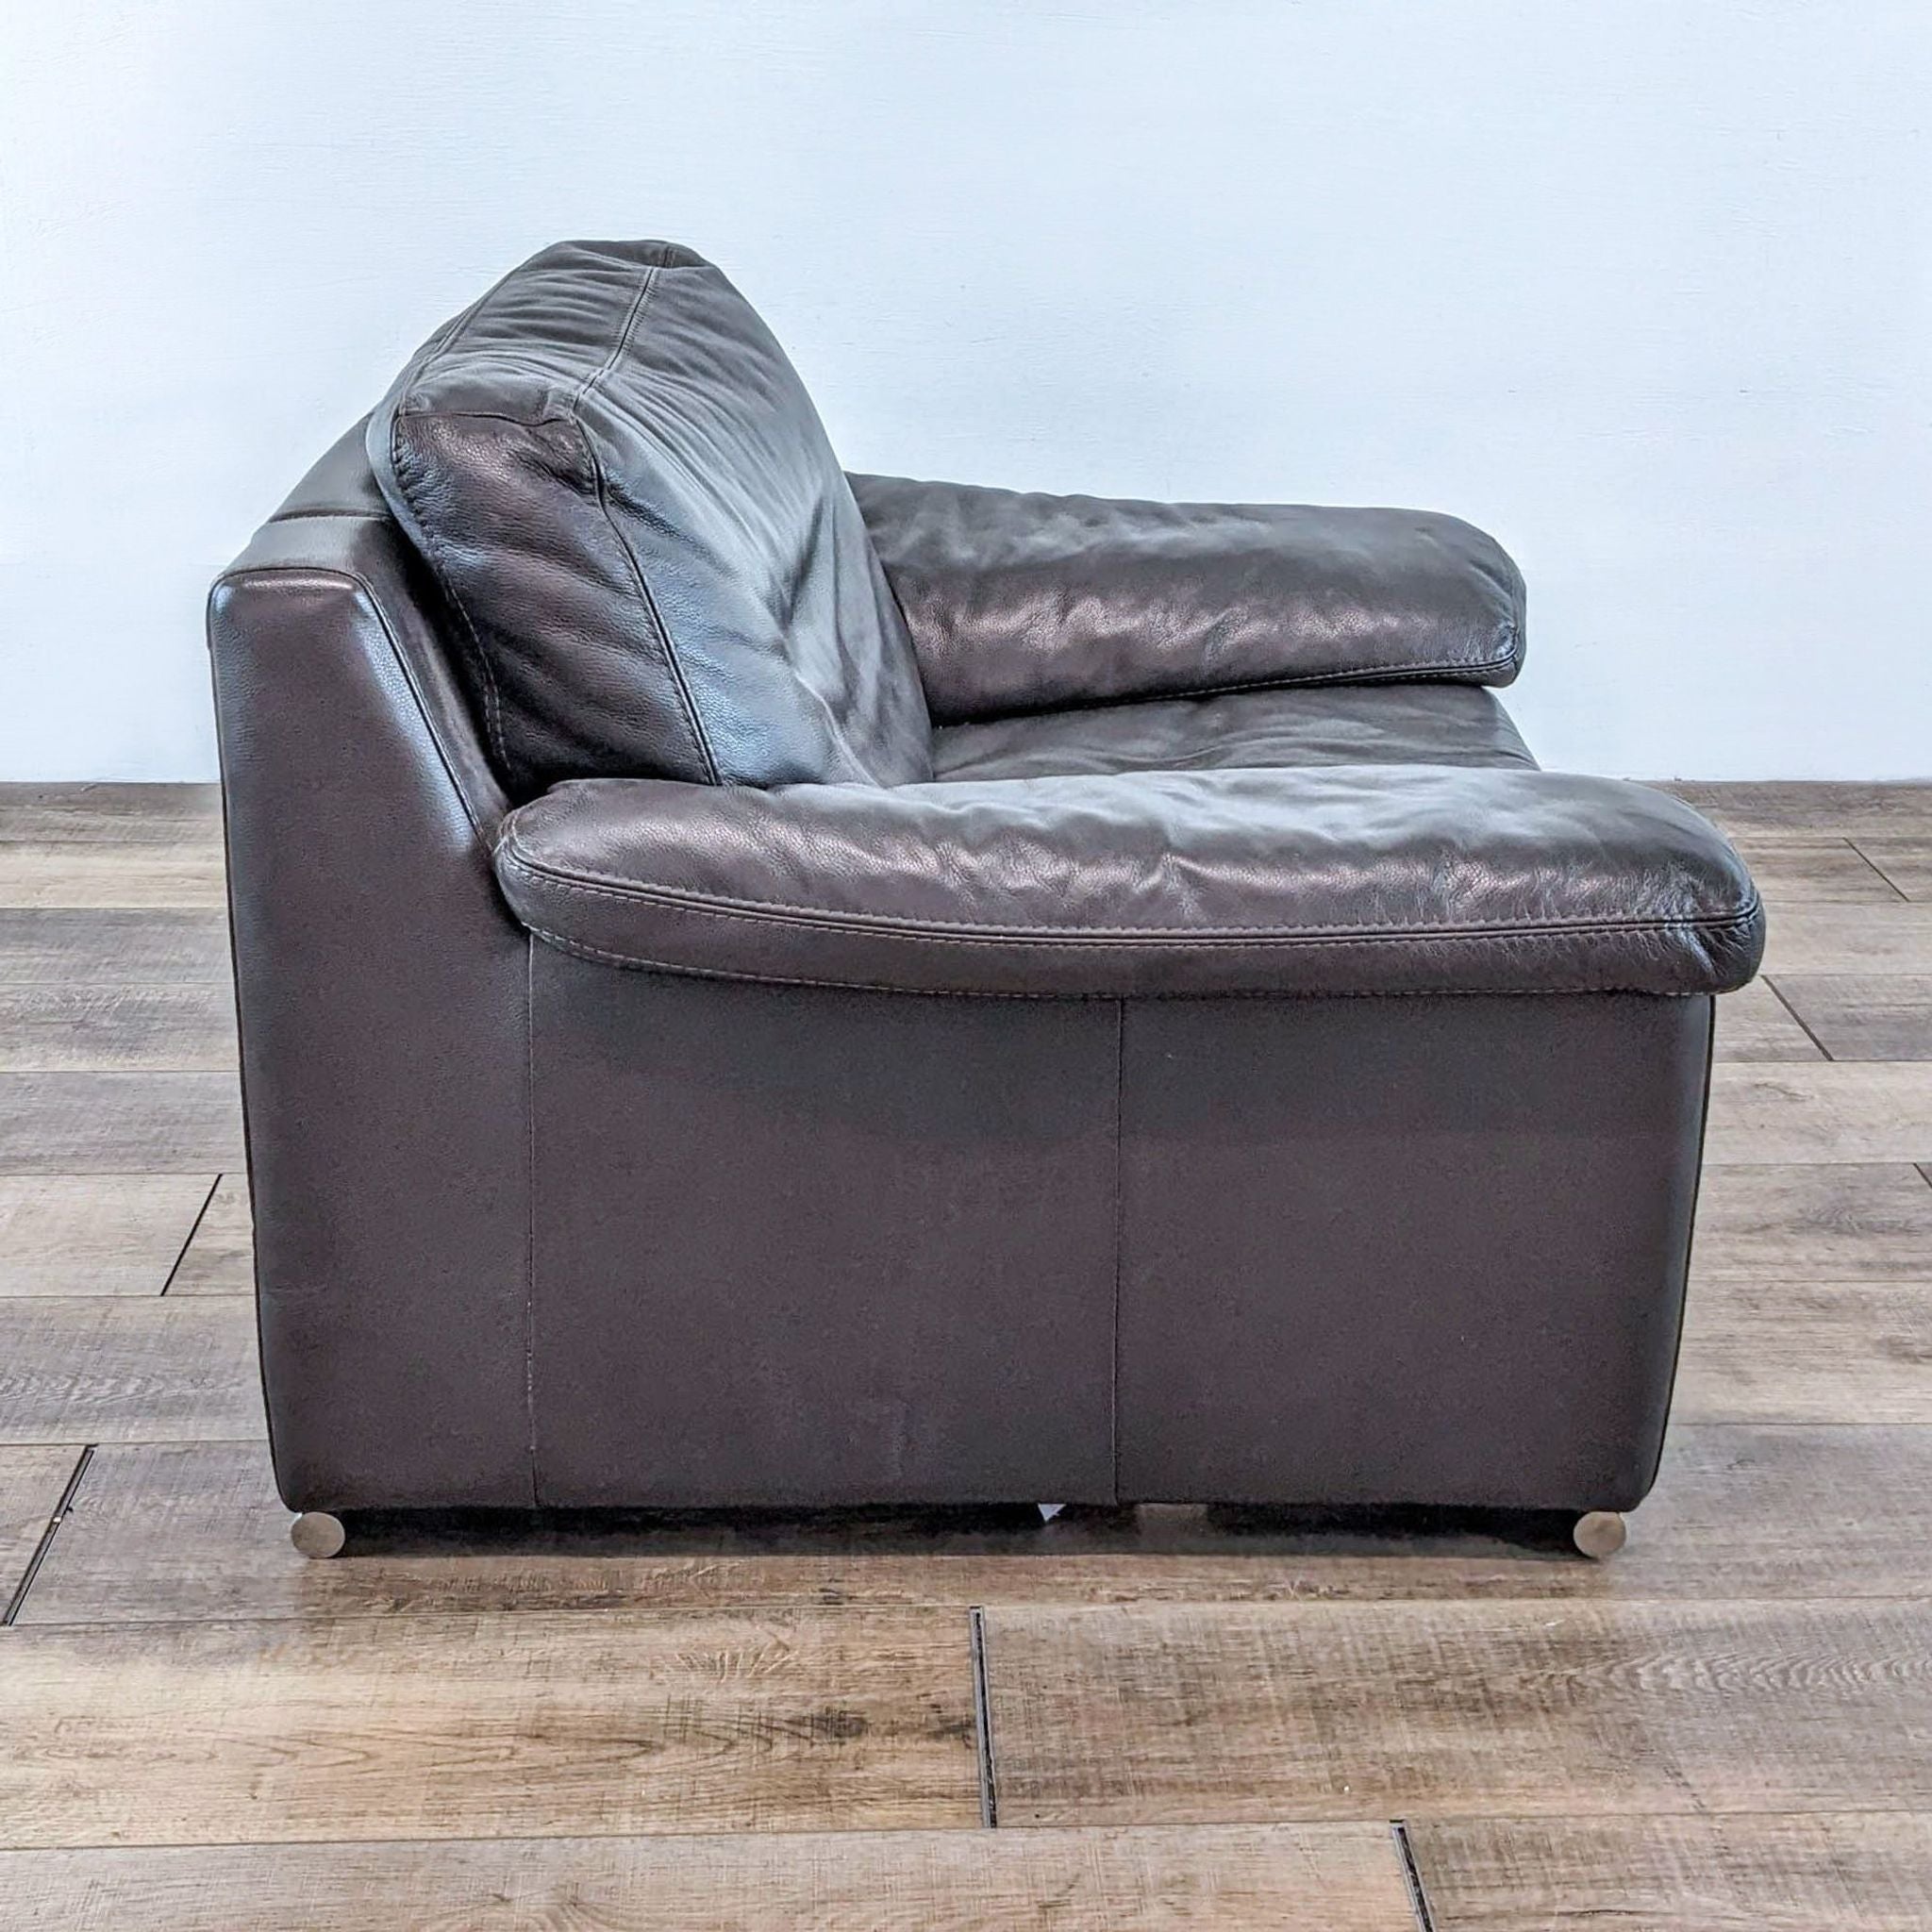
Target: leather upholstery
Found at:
1403, 1219
656, 564
1405, 1251
382, 988
806, 1246
1342, 879
1338, 724
1026, 601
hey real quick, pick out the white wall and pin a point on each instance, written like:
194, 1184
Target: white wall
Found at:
1641, 287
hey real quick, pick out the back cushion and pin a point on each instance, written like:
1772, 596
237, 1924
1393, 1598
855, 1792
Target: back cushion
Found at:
656, 564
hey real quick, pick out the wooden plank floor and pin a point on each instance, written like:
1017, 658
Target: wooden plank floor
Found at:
526, 1724
1166, 1717
1236, 1878
1197, 1713
1741, 1872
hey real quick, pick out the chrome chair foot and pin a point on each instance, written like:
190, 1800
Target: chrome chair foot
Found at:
317, 1534
1599, 1533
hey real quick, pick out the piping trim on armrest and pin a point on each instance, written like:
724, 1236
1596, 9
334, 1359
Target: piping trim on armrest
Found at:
963, 931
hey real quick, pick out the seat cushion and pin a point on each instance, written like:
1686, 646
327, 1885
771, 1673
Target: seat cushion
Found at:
1347, 725
656, 564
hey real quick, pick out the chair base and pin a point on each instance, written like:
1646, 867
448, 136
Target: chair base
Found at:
1344, 1253
1597, 1534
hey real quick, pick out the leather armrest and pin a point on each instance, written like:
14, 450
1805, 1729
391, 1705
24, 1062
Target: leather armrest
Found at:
1348, 879
1020, 603
382, 990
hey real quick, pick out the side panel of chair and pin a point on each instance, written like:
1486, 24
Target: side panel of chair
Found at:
1404, 1250
800, 1246
383, 999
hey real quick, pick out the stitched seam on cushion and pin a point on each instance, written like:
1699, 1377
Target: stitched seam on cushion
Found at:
637, 962
1449, 670
472, 414
307, 516
1233, 939
671, 660
493, 695
966, 931
493, 700
492, 721
647, 282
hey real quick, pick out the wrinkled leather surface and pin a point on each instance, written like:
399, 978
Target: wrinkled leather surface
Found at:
1340, 879
1026, 601
657, 565
1348, 725
381, 985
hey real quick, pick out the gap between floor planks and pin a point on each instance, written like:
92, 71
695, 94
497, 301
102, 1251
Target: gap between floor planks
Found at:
98, 1234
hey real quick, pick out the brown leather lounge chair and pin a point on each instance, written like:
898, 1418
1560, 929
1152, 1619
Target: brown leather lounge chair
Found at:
759, 986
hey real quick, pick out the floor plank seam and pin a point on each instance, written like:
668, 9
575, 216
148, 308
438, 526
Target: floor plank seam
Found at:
1777, 993
46, 1541
1412, 1878
193, 1229
982, 1720
1899, 891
